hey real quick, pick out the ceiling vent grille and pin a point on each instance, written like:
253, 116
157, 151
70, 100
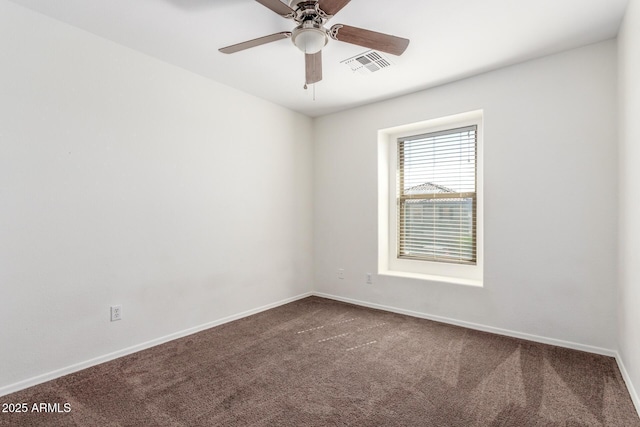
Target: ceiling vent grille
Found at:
367, 62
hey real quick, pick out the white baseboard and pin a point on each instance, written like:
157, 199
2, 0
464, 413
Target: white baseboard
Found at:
21, 385
627, 379
476, 326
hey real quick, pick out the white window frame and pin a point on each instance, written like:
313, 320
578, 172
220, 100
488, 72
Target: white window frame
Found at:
388, 262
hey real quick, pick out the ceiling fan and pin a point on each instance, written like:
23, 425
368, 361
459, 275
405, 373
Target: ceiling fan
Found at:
310, 36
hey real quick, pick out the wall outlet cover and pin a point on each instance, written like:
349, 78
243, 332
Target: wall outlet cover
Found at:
116, 312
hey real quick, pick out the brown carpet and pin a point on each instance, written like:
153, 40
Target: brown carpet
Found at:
317, 362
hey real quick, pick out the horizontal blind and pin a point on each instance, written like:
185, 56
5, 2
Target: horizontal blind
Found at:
437, 196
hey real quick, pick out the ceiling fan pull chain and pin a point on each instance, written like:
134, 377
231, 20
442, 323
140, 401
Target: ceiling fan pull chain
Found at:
314, 90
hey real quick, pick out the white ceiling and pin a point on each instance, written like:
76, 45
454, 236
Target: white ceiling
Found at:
450, 39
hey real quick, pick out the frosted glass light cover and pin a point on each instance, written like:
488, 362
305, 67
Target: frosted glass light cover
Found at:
310, 40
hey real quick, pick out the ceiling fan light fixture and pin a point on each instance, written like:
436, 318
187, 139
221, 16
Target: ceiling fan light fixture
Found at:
309, 39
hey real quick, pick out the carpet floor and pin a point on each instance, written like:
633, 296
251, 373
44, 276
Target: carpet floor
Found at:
317, 362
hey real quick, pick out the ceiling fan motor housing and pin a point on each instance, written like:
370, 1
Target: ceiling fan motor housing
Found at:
305, 10
293, 4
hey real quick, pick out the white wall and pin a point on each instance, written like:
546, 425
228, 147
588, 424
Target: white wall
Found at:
550, 145
629, 295
124, 180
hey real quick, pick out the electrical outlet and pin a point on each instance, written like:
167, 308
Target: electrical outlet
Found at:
116, 312
341, 273
369, 279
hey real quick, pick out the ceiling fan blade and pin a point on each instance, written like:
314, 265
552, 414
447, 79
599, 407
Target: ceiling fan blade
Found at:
255, 42
278, 7
371, 39
313, 67
331, 7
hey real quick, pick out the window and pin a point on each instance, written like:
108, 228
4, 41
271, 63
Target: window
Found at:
430, 200
437, 196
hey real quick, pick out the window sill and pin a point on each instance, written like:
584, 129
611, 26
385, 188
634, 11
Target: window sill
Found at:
432, 278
